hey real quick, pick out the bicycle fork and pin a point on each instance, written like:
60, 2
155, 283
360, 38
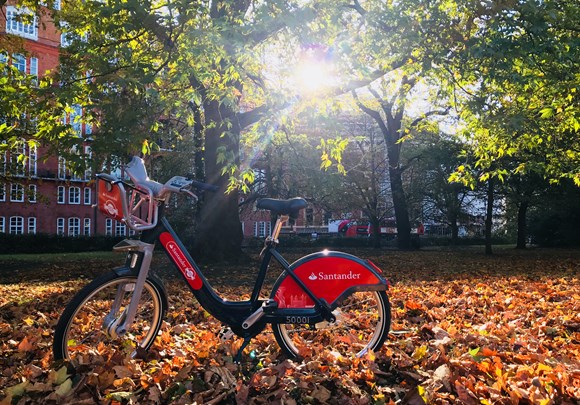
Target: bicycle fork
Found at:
117, 325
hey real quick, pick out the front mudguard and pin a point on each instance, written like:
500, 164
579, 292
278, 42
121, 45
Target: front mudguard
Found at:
331, 276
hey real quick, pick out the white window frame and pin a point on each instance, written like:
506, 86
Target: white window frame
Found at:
32, 193
120, 229
262, 228
15, 27
61, 168
87, 196
87, 227
60, 226
31, 225
109, 227
32, 160
15, 152
2, 225
19, 62
74, 195
74, 226
61, 195
3, 192
16, 192
16, 225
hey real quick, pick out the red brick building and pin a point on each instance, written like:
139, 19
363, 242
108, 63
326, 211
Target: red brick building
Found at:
44, 196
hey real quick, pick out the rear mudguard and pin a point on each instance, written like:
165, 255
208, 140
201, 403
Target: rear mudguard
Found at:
331, 276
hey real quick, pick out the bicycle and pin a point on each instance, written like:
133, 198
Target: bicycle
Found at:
326, 298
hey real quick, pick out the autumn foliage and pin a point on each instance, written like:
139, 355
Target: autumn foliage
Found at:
466, 329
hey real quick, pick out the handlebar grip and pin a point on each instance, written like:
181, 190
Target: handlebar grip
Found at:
204, 186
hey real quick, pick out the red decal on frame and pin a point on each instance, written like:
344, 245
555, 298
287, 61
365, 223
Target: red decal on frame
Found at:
179, 258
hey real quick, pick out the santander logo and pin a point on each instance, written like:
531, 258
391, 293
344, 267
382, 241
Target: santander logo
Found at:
334, 276
180, 260
111, 208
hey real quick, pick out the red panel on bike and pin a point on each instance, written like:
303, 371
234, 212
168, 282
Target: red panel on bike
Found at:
110, 200
328, 277
180, 260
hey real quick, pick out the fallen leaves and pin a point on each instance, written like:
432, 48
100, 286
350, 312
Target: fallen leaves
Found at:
466, 329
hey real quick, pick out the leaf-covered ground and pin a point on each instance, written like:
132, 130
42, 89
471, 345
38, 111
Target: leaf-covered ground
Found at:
466, 329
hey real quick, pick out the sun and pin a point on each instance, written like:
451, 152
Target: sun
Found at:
312, 76
314, 71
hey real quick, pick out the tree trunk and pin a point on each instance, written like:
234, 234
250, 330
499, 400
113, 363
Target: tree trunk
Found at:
401, 211
489, 217
522, 225
376, 232
454, 232
219, 232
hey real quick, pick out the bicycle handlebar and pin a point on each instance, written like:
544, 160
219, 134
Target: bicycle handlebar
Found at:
178, 184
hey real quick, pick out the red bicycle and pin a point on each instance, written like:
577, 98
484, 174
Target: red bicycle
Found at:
327, 298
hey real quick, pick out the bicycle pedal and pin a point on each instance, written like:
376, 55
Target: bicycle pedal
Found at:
225, 334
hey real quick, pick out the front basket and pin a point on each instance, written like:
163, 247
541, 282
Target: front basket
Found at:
125, 203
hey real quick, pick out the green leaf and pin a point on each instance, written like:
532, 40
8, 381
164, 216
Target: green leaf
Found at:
546, 112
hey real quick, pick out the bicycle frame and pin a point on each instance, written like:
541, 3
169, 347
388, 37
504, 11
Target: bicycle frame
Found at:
245, 318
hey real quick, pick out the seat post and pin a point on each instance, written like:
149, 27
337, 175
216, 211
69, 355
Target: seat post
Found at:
282, 219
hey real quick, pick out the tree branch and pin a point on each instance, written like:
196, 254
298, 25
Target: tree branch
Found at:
429, 114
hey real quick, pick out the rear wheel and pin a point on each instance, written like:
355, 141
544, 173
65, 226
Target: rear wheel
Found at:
362, 324
82, 330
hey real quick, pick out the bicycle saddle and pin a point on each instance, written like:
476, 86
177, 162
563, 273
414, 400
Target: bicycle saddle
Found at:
282, 207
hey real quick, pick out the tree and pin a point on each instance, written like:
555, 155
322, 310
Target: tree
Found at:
519, 75
405, 44
365, 181
443, 201
186, 64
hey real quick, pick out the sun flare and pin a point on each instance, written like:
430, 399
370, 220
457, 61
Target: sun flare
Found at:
314, 71
313, 76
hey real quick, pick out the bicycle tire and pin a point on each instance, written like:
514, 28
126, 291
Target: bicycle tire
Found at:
362, 325
79, 335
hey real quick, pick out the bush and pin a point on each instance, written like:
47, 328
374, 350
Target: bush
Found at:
44, 243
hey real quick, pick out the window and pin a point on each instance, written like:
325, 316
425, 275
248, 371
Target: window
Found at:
3, 161
262, 229
18, 166
32, 158
32, 193
74, 119
16, 225
34, 69
60, 226
88, 157
2, 192
87, 227
61, 195
2, 225
74, 226
74, 195
87, 196
16, 192
120, 229
32, 225
19, 62
61, 168
21, 22
109, 227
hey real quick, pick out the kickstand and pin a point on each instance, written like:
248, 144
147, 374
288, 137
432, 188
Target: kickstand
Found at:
238, 356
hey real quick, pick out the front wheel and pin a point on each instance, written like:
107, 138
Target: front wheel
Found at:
362, 324
81, 332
